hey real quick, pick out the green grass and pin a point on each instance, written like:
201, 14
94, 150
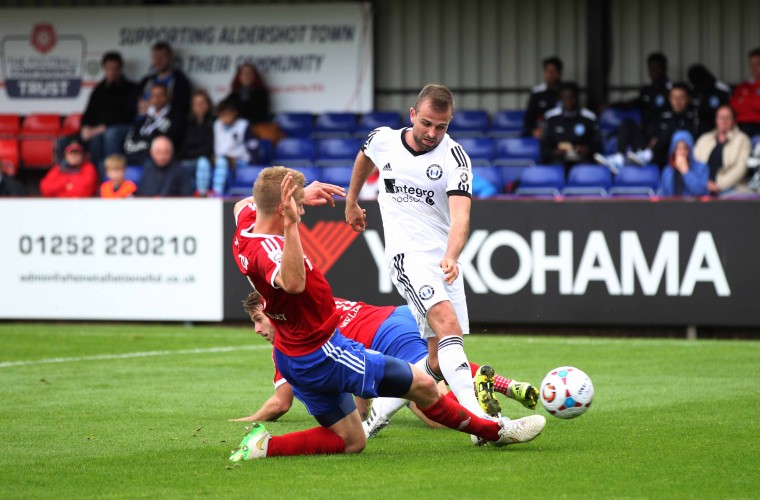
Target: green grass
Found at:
671, 418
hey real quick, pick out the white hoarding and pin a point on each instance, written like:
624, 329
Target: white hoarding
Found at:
111, 259
314, 57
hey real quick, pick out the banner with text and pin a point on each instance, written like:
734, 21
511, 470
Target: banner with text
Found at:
111, 260
315, 57
543, 262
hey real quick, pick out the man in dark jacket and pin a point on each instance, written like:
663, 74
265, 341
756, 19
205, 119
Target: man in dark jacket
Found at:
543, 98
164, 72
159, 119
162, 175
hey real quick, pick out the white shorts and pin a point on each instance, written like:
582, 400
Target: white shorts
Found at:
419, 279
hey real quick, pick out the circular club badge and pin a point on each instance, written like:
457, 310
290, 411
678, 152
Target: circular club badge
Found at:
434, 172
426, 292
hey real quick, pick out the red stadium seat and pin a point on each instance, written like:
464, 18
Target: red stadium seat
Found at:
37, 152
41, 125
71, 124
9, 151
9, 125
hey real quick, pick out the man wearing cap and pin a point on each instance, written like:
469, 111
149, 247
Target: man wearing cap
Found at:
72, 178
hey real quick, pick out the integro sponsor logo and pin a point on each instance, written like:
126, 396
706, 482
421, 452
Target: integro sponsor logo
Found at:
619, 275
401, 193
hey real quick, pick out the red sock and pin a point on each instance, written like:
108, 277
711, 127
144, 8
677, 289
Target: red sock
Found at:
316, 441
448, 412
500, 383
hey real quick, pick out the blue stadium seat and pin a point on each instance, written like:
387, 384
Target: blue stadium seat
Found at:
636, 181
611, 118
339, 174
295, 124
489, 174
330, 151
479, 149
522, 148
506, 123
374, 119
541, 180
311, 173
133, 173
294, 152
334, 125
588, 180
609, 146
510, 176
242, 182
755, 141
469, 123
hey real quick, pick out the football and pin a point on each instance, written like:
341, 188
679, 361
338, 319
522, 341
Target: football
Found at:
566, 392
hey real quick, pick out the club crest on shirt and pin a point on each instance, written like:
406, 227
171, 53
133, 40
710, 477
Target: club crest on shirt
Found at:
434, 172
426, 292
579, 129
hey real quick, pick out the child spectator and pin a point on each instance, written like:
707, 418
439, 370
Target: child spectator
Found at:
71, 178
230, 137
116, 186
199, 133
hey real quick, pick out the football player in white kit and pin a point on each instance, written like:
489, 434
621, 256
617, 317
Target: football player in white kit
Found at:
425, 197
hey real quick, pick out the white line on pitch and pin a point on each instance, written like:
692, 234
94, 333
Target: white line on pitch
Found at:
128, 355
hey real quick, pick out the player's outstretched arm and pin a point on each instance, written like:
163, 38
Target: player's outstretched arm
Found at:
319, 193
459, 207
274, 407
355, 216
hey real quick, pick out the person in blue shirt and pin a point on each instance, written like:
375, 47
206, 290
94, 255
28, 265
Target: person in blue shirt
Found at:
683, 175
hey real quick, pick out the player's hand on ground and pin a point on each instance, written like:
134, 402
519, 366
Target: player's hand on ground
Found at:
450, 270
289, 206
319, 193
249, 418
356, 217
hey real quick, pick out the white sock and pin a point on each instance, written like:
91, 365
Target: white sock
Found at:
456, 371
383, 409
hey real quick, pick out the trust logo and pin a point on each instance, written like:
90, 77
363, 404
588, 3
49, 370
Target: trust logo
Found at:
326, 242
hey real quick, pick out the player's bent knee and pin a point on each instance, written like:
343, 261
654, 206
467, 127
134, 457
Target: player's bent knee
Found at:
397, 378
355, 444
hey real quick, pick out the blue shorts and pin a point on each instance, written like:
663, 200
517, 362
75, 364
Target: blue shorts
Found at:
398, 336
324, 380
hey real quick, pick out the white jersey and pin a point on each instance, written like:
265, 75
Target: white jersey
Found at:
414, 189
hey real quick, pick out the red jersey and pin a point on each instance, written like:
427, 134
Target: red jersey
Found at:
746, 102
303, 322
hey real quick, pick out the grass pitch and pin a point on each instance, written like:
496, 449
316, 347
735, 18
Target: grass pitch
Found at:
126, 411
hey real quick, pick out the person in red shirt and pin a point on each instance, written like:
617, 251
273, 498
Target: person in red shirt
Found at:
389, 330
323, 367
746, 98
117, 186
72, 178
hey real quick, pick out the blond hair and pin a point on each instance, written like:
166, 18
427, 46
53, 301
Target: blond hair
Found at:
115, 161
440, 97
266, 189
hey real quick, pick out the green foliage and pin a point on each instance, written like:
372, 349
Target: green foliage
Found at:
671, 418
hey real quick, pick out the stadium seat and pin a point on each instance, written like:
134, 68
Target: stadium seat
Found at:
510, 176
295, 124
332, 125
338, 174
541, 180
133, 173
609, 145
491, 174
479, 149
242, 181
9, 151
36, 125
294, 152
523, 148
71, 124
636, 181
506, 123
755, 142
588, 180
611, 118
10, 125
374, 119
311, 173
332, 151
469, 123
37, 152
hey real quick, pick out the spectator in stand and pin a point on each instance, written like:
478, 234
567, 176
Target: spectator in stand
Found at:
164, 72
684, 176
653, 97
571, 134
725, 150
110, 111
117, 186
651, 146
709, 94
231, 134
160, 119
250, 95
9, 185
198, 143
543, 97
73, 177
162, 175
746, 98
